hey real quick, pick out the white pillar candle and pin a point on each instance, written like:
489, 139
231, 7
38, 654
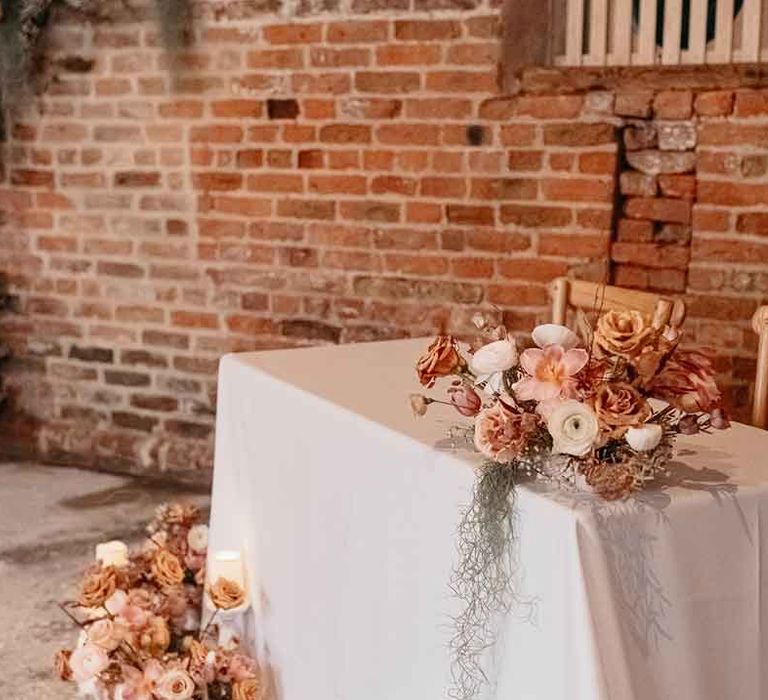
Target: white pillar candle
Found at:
114, 553
227, 564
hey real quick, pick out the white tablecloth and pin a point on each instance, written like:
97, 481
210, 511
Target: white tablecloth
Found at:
346, 506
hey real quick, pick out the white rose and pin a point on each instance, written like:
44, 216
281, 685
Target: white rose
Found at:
554, 334
197, 538
645, 438
490, 362
573, 427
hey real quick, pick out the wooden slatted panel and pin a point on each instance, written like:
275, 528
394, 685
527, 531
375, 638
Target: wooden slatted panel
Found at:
646, 44
574, 33
598, 32
752, 23
673, 18
723, 48
697, 43
622, 32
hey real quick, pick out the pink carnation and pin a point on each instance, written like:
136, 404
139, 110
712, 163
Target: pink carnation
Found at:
501, 434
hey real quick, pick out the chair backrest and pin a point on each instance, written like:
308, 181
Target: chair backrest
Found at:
760, 399
579, 294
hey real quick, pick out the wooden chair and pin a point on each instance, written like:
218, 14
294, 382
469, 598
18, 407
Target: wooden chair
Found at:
664, 311
760, 400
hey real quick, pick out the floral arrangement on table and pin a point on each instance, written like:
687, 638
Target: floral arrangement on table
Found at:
139, 616
575, 410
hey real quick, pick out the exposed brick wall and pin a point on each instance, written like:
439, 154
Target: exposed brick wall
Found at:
321, 174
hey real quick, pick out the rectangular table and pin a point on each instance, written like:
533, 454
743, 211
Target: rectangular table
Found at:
346, 506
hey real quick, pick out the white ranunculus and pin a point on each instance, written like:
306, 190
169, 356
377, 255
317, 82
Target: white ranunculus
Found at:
573, 427
197, 538
490, 362
645, 438
554, 334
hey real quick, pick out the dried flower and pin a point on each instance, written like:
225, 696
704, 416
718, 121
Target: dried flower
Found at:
249, 689
440, 360
88, 661
419, 404
242, 667
226, 594
174, 684
620, 406
197, 538
552, 373
623, 333
61, 664
611, 481
465, 400
106, 633
98, 585
687, 381
501, 434
573, 427
688, 425
167, 569
719, 420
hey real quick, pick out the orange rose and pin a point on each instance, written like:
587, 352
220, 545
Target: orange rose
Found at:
623, 333
98, 585
619, 407
440, 360
156, 637
167, 569
249, 689
226, 594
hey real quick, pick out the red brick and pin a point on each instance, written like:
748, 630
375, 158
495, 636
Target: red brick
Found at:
470, 215
524, 160
461, 81
682, 186
577, 190
325, 57
732, 193
718, 103
426, 30
443, 187
383, 212
237, 108
408, 55
306, 209
407, 134
658, 209
276, 58
650, 255
724, 250
600, 163
635, 231
673, 104
345, 133
751, 103
387, 82
753, 222
550, 107
338, 184
538, 269
531, 216
575, 134
293, 33
357, 32
638, 184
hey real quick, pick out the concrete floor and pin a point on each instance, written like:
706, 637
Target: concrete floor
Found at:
50, 520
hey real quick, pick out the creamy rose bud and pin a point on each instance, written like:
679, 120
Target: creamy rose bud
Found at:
106, 633
197, 538
498, 356
644, 438
88, 661
174, 685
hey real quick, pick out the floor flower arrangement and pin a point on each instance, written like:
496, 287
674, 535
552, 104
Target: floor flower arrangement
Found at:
595, 412
140, 625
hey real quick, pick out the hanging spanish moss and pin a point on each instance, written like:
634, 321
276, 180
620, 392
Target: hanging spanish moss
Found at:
482, 579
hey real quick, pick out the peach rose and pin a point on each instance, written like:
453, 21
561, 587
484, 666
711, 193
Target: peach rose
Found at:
249, 689
623, 333
98, 585
167, 569
501, 434
106, 633
174, 684
61, 664
619, 406
156, 637
88, 661
440, 360
226, 594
